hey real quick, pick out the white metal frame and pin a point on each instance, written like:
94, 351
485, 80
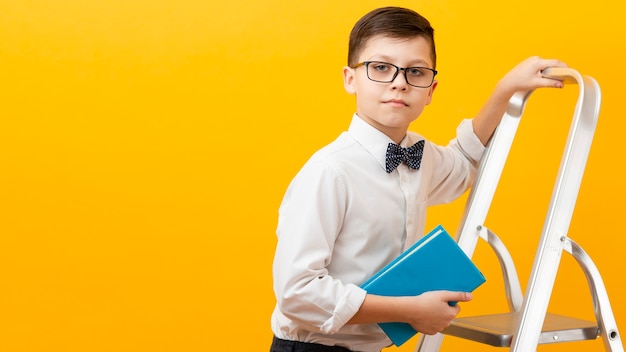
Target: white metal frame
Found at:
532, 306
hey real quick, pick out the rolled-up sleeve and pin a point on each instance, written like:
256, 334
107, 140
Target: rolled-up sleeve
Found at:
310, 218
468, 142
450, 170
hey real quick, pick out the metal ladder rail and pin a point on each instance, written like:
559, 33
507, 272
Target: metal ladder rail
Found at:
481, 194
554, 234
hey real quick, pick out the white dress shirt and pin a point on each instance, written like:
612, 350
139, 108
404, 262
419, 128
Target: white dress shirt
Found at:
343, 217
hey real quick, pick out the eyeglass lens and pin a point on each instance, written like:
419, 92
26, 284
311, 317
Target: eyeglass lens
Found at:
386, 72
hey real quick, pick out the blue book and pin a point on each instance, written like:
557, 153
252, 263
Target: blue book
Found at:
436, 262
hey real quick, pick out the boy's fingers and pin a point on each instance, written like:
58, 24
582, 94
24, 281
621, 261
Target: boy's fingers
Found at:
461, 296
552, 63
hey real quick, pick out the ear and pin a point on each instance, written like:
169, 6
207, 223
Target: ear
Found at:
348, 80
431, 92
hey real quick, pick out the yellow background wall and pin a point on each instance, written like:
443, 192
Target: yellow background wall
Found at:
139, 185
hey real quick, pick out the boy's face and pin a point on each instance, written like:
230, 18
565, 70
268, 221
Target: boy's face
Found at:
390, 107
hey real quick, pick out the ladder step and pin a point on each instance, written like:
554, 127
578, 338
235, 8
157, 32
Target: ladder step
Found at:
498, 329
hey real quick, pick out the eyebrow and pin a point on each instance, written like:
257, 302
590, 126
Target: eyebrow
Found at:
388, 59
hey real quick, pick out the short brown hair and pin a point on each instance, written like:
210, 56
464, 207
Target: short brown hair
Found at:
393, 22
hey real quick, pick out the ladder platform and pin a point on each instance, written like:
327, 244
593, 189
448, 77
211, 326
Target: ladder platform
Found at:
498, 329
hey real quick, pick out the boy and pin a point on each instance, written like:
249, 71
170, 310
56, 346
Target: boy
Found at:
349, 211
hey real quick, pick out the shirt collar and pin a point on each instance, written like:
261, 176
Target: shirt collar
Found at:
373, 140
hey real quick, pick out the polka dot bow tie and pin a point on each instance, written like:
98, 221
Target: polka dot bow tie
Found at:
412, 156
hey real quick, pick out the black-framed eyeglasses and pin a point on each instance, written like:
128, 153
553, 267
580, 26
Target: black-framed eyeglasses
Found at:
384, 72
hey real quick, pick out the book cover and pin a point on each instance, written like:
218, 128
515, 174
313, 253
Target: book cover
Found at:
436, 262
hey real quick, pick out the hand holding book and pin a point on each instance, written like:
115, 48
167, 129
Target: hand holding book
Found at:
431, 311
434, 264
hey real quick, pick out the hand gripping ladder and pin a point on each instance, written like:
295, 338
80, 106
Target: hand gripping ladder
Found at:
528, 323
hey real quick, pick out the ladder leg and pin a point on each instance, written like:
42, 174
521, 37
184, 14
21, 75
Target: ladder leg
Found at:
601, 304
429, 343
536, 299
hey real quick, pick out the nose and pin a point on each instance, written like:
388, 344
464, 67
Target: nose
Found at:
400, 82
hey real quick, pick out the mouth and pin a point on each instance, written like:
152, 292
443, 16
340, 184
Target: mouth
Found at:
396, 102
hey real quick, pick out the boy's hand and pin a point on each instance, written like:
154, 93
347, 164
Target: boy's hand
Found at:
430, 312
524, 77
527, 76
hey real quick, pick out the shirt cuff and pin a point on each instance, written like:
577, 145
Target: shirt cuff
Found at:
345, 309
468, 141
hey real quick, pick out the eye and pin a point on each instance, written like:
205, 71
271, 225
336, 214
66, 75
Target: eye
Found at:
381, 66
416, 71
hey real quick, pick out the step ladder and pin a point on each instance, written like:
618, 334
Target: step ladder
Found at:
528, 323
